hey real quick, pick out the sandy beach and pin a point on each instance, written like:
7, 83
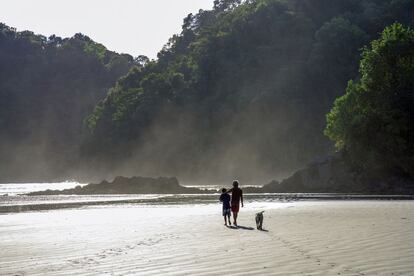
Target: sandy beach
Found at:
301, 238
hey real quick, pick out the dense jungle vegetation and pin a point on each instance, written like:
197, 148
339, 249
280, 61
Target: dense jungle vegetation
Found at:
373, 123
47, 87
242, 92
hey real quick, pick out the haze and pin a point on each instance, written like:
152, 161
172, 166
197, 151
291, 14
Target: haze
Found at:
136, 27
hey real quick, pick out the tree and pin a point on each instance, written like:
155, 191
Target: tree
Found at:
47, 88
374, 121
226, 5
337, 41
265, 70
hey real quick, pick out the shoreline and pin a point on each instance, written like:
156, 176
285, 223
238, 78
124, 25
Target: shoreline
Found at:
46, 203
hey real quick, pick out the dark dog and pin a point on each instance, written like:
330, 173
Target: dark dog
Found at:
259, 220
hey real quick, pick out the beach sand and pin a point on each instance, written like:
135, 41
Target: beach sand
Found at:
301, 238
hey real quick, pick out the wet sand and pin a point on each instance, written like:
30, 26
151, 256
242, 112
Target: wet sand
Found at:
301, 238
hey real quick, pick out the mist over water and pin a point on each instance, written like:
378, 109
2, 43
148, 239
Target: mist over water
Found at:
178, 144
24, 188
14, 198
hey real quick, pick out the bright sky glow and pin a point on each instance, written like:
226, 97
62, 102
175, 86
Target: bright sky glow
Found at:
135, 27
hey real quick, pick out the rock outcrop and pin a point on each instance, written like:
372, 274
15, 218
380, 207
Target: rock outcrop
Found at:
333, 175
125, 185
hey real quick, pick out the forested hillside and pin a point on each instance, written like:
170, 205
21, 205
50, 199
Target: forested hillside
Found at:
241, 92
47, 87
373, 123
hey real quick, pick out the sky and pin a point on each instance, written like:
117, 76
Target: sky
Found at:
136, 27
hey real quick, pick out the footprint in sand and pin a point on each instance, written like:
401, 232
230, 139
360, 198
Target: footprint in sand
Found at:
112, 252
308, 255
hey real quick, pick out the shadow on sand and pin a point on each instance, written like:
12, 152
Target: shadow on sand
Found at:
263, 230
240, 227
246, 228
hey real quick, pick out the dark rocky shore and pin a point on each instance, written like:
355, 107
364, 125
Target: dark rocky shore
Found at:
125, 185
332, 175
328, 175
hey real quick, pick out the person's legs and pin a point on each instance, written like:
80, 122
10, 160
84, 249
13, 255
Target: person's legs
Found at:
235, 211
235, 218
225, 216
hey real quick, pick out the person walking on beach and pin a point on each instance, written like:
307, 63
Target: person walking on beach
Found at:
225, 199
236, 199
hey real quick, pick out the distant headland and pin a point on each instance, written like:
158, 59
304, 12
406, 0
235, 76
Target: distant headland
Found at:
330, 175
125, 185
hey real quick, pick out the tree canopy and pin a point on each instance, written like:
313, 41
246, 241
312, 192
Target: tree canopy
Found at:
242, 91
243, 88
374, 121
47, 87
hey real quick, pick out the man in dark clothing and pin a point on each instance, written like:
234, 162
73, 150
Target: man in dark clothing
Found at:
236, 198
225, 199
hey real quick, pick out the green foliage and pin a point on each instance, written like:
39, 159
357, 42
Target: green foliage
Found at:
257, 75
95, 49
374, 120
47, 87
337, 41
244, 85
